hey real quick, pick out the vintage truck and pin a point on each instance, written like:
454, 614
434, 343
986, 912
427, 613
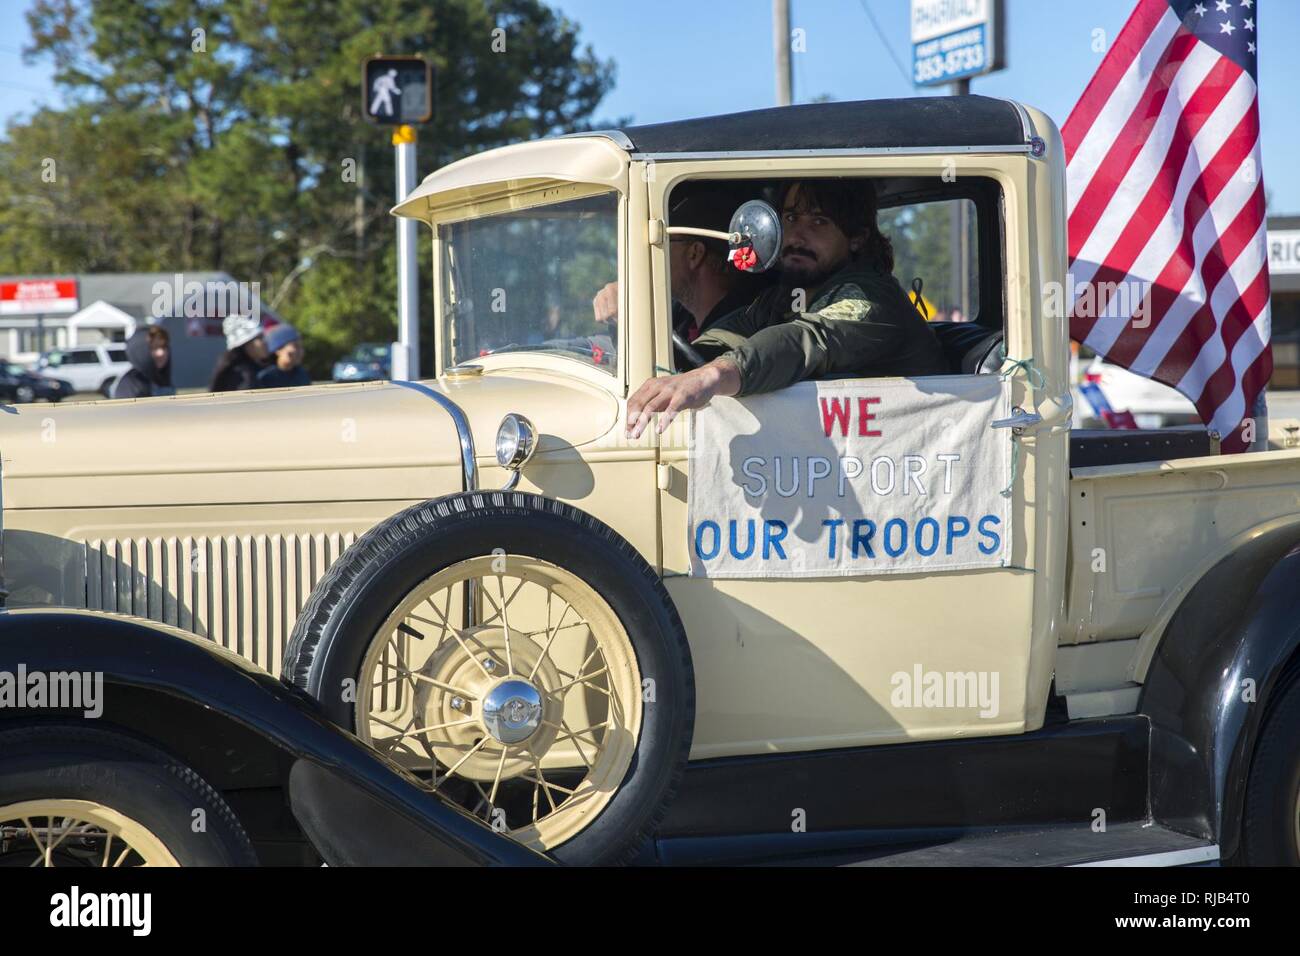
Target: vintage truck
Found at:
486, 580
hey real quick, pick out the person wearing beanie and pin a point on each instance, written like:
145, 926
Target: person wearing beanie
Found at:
285, 370
149, 352
244, 357
705, 288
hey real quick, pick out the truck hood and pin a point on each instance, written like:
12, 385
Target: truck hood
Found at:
319, 443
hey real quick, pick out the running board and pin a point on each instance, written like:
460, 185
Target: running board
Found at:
1131, 843
1122, 844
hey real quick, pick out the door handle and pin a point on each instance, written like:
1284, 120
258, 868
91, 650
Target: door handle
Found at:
1019, 420
1058, 412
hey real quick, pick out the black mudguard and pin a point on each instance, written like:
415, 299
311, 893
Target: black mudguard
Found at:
1228, 649
242, 728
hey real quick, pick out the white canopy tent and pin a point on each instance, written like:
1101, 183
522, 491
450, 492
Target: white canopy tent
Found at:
99, 322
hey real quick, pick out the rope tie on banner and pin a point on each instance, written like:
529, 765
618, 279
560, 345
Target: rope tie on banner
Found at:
1036, 381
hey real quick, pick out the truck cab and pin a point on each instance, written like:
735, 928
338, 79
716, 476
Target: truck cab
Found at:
821, 667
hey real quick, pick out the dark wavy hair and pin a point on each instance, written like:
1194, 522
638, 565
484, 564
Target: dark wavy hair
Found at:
851, 205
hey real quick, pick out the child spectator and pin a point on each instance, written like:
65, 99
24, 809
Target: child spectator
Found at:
285, 370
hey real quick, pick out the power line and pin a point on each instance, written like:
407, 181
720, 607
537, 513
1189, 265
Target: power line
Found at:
888, 49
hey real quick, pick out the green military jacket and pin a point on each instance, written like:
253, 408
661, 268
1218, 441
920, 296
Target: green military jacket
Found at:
859, 322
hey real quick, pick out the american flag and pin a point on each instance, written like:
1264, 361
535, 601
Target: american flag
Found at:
1168, 261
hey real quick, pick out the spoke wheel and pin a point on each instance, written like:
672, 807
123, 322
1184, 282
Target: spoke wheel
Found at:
526, 711
517, 655
43, 833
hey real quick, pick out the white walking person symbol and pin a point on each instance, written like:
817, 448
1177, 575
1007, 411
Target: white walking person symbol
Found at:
384, 87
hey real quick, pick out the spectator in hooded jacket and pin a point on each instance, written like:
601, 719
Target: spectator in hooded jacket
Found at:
285, 370
244, 357
149, 352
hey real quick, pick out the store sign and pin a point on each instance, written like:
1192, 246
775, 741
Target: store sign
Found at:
1284, 251
955, 39
38, 296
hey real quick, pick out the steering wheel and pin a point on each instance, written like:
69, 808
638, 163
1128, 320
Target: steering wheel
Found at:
693, 358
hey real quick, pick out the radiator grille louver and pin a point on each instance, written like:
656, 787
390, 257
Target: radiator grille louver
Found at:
242, 591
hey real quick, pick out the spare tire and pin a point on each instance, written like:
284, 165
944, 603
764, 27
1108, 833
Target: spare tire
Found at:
519, 657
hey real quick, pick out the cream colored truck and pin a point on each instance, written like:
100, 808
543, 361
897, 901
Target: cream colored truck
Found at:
545, 657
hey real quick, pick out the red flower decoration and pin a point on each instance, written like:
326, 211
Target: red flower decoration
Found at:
744, 258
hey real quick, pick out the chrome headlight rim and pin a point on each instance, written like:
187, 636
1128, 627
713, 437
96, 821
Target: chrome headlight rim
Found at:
516, 441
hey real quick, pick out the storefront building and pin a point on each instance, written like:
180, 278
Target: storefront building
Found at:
1284, 279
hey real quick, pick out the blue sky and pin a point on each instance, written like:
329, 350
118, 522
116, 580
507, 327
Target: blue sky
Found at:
681, 58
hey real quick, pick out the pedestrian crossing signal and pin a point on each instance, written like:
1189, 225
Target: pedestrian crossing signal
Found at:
397, 90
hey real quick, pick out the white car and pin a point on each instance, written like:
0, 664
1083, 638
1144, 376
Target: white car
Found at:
90, 368
1153, 404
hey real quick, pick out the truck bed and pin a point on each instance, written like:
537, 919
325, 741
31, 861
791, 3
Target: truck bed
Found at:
1142, 532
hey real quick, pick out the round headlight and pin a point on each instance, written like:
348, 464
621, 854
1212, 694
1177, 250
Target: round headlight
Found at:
516, 441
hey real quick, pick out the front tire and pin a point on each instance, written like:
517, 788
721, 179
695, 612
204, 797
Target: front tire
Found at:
559, 711
1271, 829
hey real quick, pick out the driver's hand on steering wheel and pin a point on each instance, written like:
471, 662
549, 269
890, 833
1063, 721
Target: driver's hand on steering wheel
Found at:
674, 393
605, 304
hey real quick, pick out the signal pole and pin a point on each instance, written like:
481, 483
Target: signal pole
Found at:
406, 354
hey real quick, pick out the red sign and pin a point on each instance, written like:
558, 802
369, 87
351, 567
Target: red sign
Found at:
36, 296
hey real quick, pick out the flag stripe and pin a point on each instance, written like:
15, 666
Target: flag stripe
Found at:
1151, 22
1137, 241
1133, 144
1160, 159
1245, 286
1208, 214
1171, 258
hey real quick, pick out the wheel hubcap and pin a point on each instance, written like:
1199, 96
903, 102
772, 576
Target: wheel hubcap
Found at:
512, 711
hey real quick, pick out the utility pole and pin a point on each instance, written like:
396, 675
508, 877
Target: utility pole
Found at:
781, 49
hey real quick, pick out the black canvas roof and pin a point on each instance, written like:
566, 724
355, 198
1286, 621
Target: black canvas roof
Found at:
917, 122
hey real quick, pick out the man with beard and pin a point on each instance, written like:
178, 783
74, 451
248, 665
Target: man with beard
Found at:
838, 310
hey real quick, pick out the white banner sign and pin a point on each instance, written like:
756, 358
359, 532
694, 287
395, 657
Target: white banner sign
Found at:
852, 477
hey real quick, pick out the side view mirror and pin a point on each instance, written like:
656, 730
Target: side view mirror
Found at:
757, 226
754, 236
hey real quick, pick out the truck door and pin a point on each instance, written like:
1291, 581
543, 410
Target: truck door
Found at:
805, 663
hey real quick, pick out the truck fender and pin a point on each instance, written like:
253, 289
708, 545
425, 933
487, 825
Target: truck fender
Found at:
1222, 657
240, 727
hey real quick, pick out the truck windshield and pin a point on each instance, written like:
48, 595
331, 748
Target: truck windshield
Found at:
526, 281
